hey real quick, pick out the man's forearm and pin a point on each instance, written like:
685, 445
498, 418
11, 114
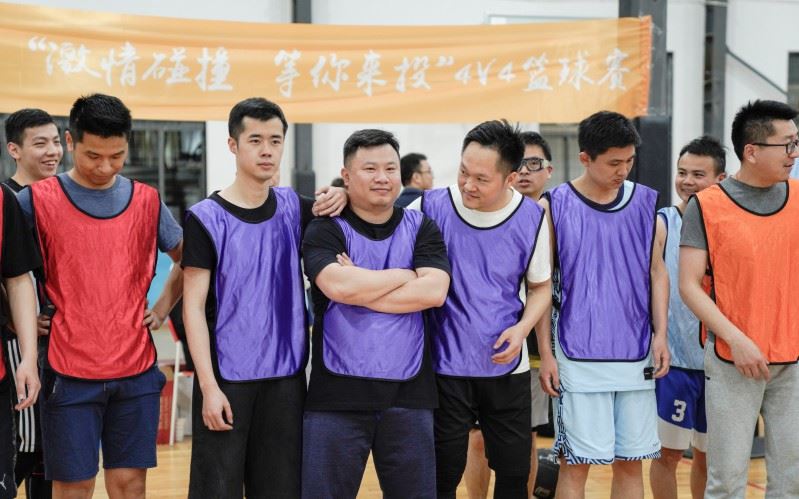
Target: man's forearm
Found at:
427, 291
543, 333
198, 282
22, 303
660, 300
706, 310
539, 301
173, 290
198, 338
358, 286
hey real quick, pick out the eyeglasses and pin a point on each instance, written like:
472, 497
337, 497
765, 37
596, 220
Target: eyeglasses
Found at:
534, 164
790, 147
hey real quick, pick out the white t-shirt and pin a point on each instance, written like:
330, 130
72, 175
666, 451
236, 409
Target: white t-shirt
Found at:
539, 269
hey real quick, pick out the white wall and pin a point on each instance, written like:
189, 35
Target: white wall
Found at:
685, 38
762, 32
273, 11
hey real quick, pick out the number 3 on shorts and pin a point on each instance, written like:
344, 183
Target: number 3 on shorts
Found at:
679, 413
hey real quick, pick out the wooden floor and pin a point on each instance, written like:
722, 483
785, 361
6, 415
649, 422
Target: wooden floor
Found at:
171, 478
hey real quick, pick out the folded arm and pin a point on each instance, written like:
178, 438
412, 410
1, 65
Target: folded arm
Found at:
353, 285
429, 289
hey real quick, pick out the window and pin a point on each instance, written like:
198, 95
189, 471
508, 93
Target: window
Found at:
793, 79
562, 140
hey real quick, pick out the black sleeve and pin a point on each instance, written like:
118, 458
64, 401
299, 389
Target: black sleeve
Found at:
306, 211
20, 253
430, 250
198, 249
323, 240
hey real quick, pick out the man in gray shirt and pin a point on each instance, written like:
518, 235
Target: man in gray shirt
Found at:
98, 232
738, 270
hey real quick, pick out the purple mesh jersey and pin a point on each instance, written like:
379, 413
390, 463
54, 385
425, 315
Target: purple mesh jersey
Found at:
603, 260
261, 326
488, 267
359, 342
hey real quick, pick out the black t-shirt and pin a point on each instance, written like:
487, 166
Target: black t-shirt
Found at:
323, 240
13, 185
19, 253
199, 250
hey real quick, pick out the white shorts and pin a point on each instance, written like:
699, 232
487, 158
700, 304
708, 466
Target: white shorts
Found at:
601, 427
540, 401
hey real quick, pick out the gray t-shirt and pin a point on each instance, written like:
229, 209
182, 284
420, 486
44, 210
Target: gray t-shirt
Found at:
108, 203
760, 200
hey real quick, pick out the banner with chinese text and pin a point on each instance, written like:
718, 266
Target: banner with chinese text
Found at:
177, 69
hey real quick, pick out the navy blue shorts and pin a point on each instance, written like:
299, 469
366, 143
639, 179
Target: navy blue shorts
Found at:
681, 409
78, 416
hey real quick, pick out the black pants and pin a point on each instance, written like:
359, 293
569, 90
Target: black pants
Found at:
502, 406
30, 469
261, 456
8, 438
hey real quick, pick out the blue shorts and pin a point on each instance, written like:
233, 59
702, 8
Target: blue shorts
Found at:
681, 409
79, 415
601, 427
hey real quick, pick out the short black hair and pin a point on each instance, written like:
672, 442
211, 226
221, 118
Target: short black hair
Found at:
535, 139
502, 137
753, 123
409, 164
710, 147
337, 182
257, 108
604, 130
368, 138
19, 121
101, 115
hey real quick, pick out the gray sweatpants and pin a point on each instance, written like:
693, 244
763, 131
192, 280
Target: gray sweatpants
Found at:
733, 403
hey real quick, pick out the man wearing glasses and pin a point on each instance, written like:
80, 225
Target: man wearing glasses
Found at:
417, 177
531, 179
743, 234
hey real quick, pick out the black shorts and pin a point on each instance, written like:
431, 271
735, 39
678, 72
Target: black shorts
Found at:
262, 454
501, 405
